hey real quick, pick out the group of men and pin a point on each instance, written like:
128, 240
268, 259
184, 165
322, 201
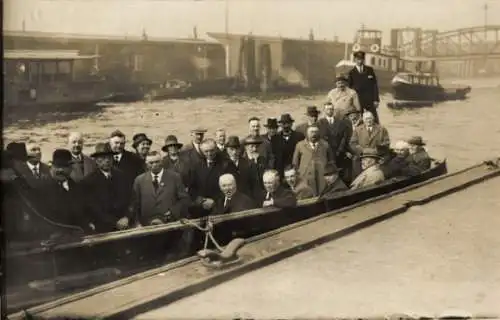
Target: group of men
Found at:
114, 189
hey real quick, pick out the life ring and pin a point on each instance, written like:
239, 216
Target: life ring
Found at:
356, 47
374, 47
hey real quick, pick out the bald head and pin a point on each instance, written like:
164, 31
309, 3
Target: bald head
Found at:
271, 179
75, 143
227, 184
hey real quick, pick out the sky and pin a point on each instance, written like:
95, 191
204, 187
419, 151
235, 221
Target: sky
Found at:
288, 18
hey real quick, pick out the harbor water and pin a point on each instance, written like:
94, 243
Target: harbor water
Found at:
464, 132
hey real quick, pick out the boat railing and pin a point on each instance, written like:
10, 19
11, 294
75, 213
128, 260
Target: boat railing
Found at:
347, 197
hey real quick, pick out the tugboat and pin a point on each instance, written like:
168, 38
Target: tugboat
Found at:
35, 78
425, 87
385, 61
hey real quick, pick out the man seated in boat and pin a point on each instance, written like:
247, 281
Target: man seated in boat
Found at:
83, 165
264, 148
204, 187
300, 187
275, 194
247, 175
33, 170
62, 201
342, 97
159, 194
398, 165
339, 134
312, 114
232, 199
107, 192
334, 184
418, 155
141, 144
371, 173
174, 161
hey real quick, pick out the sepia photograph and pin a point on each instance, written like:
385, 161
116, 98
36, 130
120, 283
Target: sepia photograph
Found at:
250, 159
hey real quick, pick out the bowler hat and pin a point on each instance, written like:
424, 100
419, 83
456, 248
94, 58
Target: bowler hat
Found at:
233, 142
102, 149
17, 151
330, 169
370, 153
62, 158
271, 123
286, 118
359, 54
199, 130
252, 140
341, 77
416, 140
139, 138
312, 111
171, 140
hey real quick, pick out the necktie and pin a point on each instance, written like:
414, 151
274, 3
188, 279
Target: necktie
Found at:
117, 159
209, 164
36, 173
330, 120
155, 182
226, 202
268, 196
370, 129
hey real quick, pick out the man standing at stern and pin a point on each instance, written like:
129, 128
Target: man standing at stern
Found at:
363, 80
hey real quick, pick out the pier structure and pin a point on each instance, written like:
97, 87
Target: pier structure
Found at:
465, 52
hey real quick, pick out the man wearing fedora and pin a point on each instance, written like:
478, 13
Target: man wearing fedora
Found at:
311, 157
141, 144
192, 151
271, 129
264, 148
371, 173
174, 161
363, 80
312, 114
159, 194
285, 142
418, 155
342, 97
334, 184
83, 165
62, 201
246, 175
124, 160
108, 193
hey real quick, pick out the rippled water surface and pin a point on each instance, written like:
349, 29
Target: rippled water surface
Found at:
465, 132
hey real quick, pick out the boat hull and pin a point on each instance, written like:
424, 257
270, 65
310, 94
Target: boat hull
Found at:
131, 251
417, 92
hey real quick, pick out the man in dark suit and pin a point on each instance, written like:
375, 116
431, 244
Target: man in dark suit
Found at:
312, 114
271, 130
174, 161
33, 170
192, 151
61, 200
108, 194
246, 174
82, 165
363, 80
264, 148
204, 188
124, 160
232, 200
339, 132
284, 143
275, 194
159, 194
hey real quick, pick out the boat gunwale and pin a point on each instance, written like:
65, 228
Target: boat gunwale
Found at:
496, 172
92, 240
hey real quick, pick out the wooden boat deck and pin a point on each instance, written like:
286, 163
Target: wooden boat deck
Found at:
141, 293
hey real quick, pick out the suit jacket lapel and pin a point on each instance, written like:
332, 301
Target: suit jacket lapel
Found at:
148, 181
162, 182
